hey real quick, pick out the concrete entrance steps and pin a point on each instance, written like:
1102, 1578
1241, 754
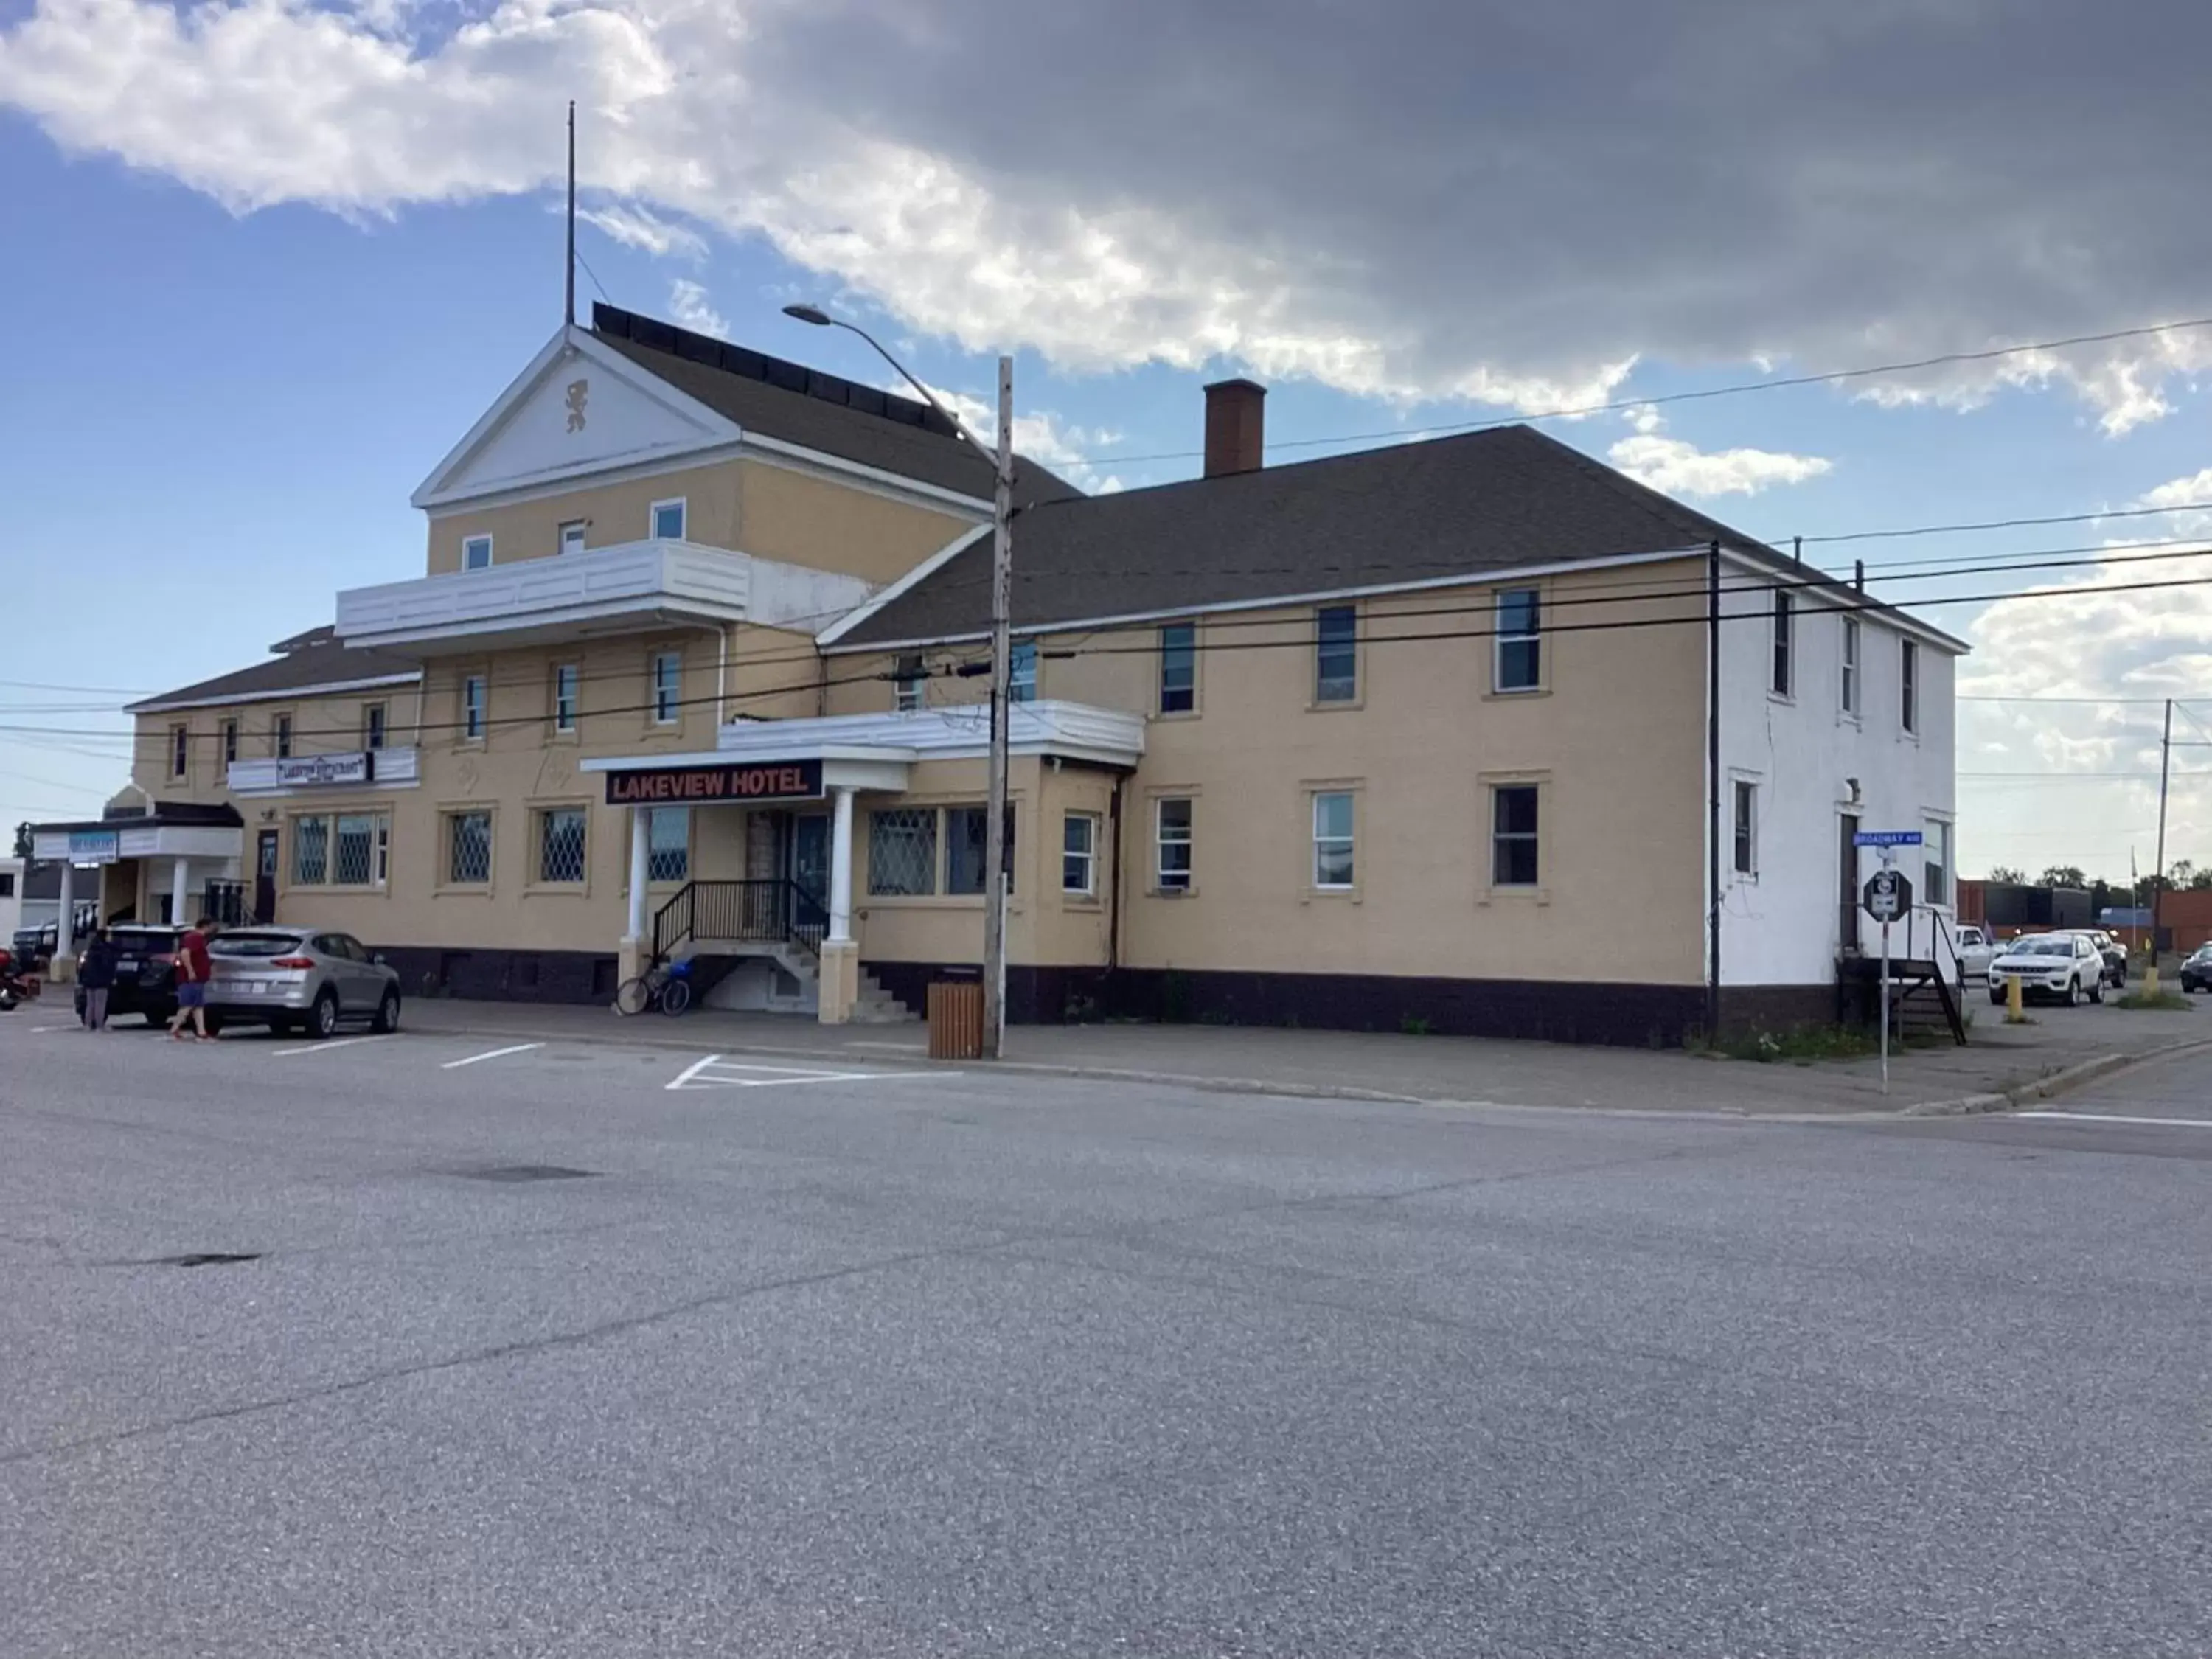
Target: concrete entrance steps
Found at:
877, 1006
874, 1007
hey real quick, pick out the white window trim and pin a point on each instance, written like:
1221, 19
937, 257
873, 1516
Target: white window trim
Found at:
230, 732
540, 812
375, 724
1908, 707
1160, 670
1188, 841
180, 749
281, 733
1491, 784
907, 690
1088, 855
1782, 646
482, 713
447, 881
491, 553
1737, 784
1359, 676
1500, 639
1314, 795
674, 714
1852, 686
1036, 670
567, 727
683, 505
581, 527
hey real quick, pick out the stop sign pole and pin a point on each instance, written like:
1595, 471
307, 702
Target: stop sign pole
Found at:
1888, 895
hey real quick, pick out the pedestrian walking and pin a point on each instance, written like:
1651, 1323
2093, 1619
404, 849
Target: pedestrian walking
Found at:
193, 970
95, 973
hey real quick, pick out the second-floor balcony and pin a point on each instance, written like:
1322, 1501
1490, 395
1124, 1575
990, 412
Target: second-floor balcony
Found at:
546, 600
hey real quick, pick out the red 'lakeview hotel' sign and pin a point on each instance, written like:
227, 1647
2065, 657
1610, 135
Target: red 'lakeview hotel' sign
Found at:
673, 784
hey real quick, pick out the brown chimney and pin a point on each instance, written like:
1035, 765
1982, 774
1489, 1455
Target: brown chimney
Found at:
1235, 425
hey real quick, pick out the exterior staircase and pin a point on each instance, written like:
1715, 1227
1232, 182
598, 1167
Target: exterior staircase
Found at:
727, 923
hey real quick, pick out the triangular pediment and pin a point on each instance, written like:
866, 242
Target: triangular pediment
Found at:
580, 408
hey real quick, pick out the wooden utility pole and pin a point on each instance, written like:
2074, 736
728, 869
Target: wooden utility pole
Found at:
1002, 667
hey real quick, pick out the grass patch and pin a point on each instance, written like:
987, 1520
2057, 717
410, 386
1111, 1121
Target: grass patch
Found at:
2170, 1001
1799, 1045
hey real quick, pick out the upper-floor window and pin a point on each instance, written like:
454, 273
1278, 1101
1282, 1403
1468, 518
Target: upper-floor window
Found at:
1520, 645
1022, 674
229, 741
475, 552
180, 751
564, 697
906, 684
1178, 668
1785, 604
572, 536
668, 519
372, 726
472, 706
280, 736
1935, 862
1336, 654
1850, 664
667, 686
1908, 685
1746, 828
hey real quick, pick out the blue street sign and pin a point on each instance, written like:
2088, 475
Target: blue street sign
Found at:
1886, 838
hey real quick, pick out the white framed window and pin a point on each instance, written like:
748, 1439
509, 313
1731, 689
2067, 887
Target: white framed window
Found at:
1935, 862
1021, 675
1746, 853
906, 684
1179, 668
372, 726
1908, 684
472, 706
565, 681
1519, 656
1336, 654
1172, 841
1785, 639
561, 845
280, 736
475, 552
572, 536
1332, 819
1850, 689
1079, 855
180, 751
229, 741
344, 849
668, 844
668, 519
1513, 835
667, 687
468, 848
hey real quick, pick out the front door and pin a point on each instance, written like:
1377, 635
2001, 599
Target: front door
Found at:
264, 878
1847, 860
810, 869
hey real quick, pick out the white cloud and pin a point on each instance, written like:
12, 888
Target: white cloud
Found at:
1215, 211
640, 227
1042, 436
688, 305
1678, 467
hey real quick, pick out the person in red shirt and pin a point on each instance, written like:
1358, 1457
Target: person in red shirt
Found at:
193, 971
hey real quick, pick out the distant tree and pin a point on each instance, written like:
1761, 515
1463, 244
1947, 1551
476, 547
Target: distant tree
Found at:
2006, 876
2202, 882
2183, 874
23, 840
2062, 875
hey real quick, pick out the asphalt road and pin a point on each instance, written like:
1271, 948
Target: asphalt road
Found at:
539, 1355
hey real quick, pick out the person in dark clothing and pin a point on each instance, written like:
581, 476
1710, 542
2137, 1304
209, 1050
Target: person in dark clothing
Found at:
95, 972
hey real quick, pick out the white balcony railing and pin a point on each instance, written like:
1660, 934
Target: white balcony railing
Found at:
361, 769
551, 595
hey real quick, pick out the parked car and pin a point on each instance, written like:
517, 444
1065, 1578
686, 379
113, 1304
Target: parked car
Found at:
300, 978
145, 973
2196, 970
2114, 953
1976, 953
32, 948
2067, 965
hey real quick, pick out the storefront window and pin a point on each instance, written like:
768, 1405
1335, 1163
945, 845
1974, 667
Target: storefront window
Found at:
902, 851
561, 844
966, 835
668, 844
468, 848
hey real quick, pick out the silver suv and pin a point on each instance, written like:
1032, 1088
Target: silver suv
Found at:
300, 977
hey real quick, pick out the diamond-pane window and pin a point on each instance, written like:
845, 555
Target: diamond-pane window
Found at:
561, 844
311, 851
668, 844
469, 846
357, 849
903, 851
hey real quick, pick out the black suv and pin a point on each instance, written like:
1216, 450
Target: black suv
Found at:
145, 972
2196, 970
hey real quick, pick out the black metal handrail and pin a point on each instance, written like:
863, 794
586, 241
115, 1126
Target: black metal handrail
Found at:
767, 912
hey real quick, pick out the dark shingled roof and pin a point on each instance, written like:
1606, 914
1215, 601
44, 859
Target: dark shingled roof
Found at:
302, 662
1505, 498
805, 406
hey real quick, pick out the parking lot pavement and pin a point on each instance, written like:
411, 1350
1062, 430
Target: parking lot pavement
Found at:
442, 1345
2161, 1109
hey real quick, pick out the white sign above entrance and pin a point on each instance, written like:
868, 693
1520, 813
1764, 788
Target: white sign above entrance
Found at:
93, 846
306, 770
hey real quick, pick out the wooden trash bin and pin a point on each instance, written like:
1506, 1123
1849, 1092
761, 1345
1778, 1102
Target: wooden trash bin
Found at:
956, 1019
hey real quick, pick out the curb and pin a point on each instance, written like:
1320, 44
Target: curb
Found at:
2052, 1085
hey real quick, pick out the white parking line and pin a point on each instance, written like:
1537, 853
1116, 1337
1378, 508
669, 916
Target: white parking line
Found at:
494, 1053
41, 1031
715, 1073
324, 1047
2114, 1117
693, 1070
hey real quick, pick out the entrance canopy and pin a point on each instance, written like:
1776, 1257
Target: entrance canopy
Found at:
173, 829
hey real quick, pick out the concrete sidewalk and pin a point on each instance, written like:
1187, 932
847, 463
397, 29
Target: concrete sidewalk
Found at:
2003, 1064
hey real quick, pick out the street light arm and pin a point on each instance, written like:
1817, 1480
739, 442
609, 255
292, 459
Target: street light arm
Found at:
928, 396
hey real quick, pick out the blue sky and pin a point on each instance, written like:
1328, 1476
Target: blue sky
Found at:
228, 372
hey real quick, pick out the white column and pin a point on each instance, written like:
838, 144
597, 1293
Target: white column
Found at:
65, 928
841, 867
641, 846
180, 878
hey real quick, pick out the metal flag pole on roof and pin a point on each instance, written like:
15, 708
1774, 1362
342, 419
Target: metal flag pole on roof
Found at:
568, 271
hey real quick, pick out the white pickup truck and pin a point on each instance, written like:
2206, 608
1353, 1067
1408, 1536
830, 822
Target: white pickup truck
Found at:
1976, 953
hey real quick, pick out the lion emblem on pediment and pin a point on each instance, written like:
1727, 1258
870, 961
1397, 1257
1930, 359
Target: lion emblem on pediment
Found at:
578, 394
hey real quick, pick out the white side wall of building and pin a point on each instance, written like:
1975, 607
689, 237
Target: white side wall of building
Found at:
1811, 763
11, 901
